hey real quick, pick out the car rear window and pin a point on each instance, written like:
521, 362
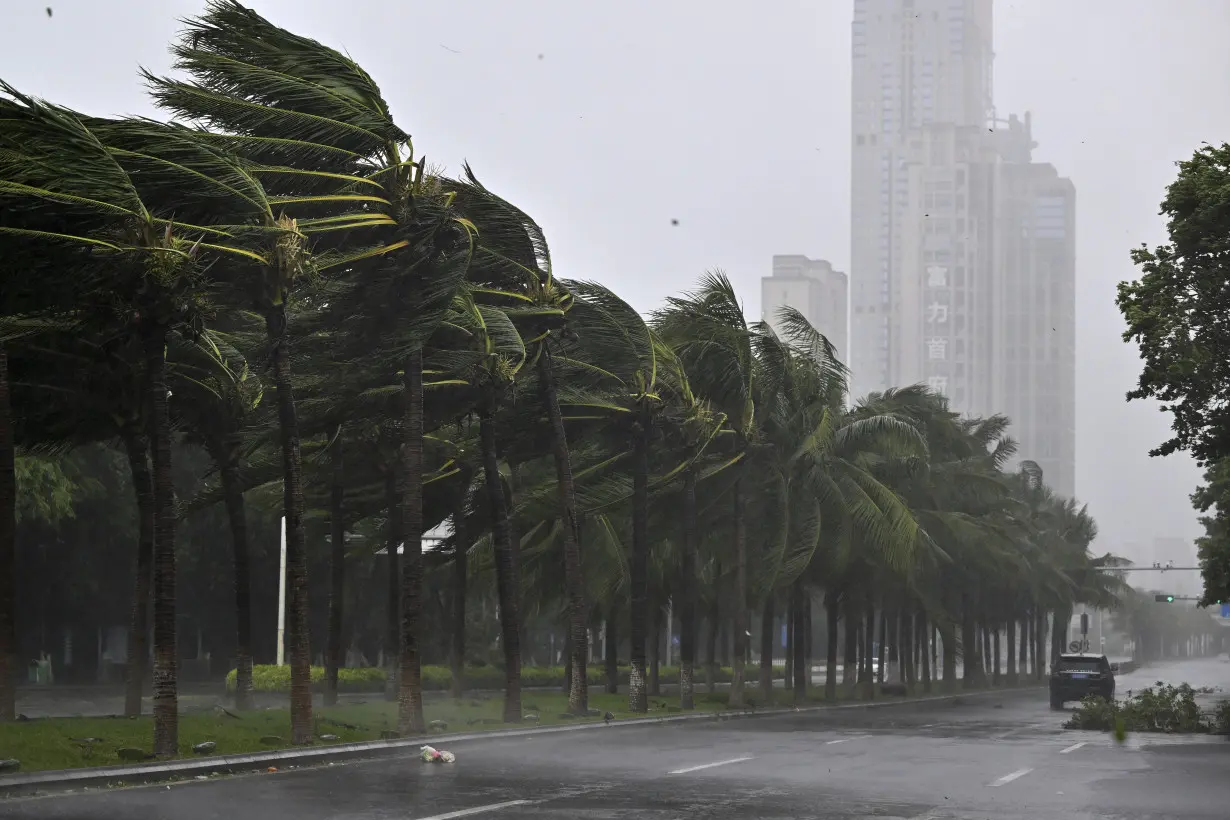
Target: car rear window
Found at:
1079, 665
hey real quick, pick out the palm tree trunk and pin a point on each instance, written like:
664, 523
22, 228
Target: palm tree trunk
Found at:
1037, 651
166, 657
906, 650
790, 641
924, 637
300, 653
1023, 650
228, 466
891, 629
410, 719
802, 645
995, 651
639, 570
849, 662
461, 545
987, 657
740, 597
8, 550
654, 646
136, 444
611, 646
512, 497
948, 637
766, 649
337, 569
508, 586
867, 672
808, 637
574, 579
969, 644
711, 638
1011, 653
833, 615
392, 612
687, 595
882, 665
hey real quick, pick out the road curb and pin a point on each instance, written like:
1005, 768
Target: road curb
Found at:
67, 780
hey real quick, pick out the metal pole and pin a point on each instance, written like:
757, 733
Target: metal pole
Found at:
282, 599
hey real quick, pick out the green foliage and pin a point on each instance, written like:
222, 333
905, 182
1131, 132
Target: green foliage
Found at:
1213, 548
47, 489
1220, 722
1176, 310
1158, 708
1176, 313
270, 678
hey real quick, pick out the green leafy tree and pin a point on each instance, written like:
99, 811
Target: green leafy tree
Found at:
1175, 313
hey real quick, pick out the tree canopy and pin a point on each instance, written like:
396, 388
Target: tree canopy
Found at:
1176, 314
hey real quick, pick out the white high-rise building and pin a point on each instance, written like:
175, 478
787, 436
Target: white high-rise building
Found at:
921, 101
813, 288
962, 270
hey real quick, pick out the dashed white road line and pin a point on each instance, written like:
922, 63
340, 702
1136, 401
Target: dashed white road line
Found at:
711, 765
477, 810
1071, 748
844, 739
1008, 778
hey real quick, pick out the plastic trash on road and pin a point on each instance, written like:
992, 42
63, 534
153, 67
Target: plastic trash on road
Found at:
432, 755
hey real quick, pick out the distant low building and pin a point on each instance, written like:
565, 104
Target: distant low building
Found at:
815, 289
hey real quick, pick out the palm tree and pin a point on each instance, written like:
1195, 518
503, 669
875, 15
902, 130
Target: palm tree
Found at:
318, 132
511, 269
710, 335
214, 395
337, 564
120, 181
496, 355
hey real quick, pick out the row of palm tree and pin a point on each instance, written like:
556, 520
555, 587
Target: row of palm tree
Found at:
427, 365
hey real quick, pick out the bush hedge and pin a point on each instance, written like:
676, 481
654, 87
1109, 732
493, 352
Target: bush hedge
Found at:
276, 679
1160, 708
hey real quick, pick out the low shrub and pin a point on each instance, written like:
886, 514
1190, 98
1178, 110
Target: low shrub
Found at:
1220, 719
276, 679
1158, 708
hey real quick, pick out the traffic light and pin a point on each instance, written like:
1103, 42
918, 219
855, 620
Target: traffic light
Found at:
1164, 599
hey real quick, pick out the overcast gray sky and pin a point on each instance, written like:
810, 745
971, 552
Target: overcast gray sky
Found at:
606, 120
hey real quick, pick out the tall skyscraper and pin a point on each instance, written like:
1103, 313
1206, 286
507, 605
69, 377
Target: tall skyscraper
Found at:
1034, 320
813, 288
962, 247
921, 99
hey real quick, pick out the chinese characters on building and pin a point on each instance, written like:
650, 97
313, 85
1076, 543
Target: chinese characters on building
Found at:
937, 330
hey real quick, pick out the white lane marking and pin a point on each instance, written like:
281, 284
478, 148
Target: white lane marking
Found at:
477, 810
1071, 748
844, 739
710, 765
1008, 778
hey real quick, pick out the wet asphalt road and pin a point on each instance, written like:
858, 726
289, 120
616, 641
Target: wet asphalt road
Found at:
1001, 756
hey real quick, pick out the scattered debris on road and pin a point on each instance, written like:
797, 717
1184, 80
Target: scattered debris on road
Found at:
432, 755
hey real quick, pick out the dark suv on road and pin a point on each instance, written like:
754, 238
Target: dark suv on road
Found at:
1079, 675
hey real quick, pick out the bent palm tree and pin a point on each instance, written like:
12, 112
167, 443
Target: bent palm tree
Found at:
116, 184
320, 136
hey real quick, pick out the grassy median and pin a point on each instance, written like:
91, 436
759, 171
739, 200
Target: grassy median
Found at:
79, 742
